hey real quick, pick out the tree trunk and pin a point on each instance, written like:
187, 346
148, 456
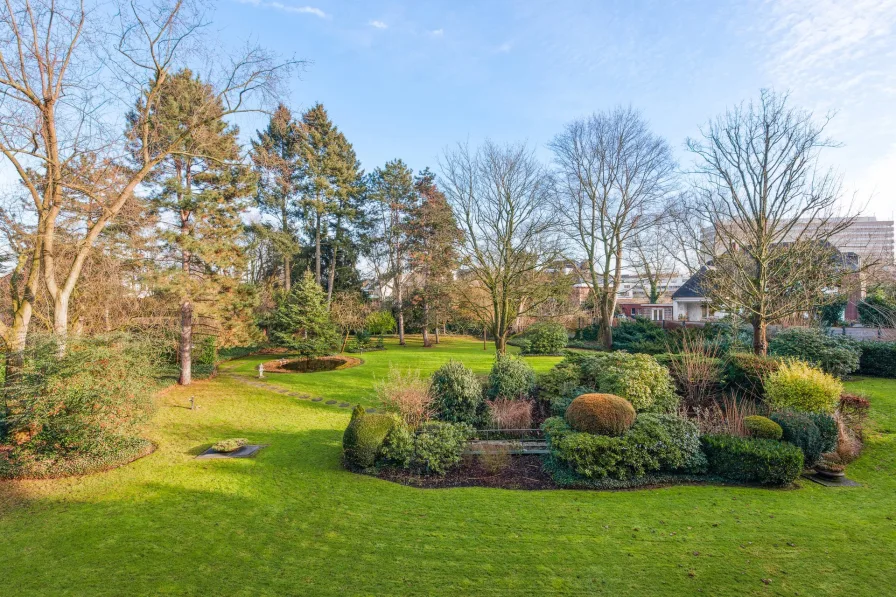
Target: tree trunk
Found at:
605, 321
344, 341
400, 313
437, 329
760, 336
331, 281
317, 249
60, 320
287, 274
501, 343
186, 343
426, 343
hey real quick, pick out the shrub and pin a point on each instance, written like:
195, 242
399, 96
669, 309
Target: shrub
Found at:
545, 338
801, 431
457, 394
439, 446
696, 370
836, 355
762, 427
655, 442
398, 447
877, 310
510, 378
230, 445
853, 410
80, 412
800, 386
878, 359
749, 460
639, 335
494, 457
364, 437
406, 395
603, 414
379, 323
827, 431
560, 386
746, 372
510, 414
636, 377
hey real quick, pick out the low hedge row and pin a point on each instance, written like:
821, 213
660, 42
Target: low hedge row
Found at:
878, 359
750, 460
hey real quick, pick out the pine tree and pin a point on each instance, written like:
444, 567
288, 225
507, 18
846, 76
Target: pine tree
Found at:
199, 193
330, 183
392, 201
432, 240
275, 156
302, 321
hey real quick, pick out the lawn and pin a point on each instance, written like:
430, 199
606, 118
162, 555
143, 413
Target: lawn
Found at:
292, 522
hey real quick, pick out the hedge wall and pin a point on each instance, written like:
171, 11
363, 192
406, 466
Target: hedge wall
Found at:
878, 359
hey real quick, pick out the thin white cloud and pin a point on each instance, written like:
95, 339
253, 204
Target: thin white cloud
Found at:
310, 10
378, 25
437, 32
504, 48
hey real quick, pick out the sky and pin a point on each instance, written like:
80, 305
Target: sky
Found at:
408, 79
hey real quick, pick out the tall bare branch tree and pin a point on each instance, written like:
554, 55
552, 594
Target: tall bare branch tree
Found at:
69, 72
651, 260
501, 199
771, 212
612, 173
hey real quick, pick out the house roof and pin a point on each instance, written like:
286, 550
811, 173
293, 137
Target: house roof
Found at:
693, 288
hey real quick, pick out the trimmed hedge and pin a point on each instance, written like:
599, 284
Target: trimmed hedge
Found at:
654, 443
364, 437
878, 359
800, 386
751, 460
763, 427
603, 414
801, 431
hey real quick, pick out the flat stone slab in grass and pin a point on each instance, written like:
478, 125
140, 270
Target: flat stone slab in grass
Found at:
245, 452
828, 482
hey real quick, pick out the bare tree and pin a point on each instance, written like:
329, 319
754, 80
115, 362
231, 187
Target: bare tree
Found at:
651, 259
501, 199
67, 82
771, 212
612, 173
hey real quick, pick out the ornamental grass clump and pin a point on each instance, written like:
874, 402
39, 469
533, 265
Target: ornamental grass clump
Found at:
407, 395
601, 414
799, 386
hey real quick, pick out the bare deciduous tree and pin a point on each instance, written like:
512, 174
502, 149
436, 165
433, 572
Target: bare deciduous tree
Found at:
612, 173
66, 83
651, 259
771, 213
501, 199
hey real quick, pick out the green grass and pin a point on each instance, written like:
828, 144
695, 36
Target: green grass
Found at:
292, 522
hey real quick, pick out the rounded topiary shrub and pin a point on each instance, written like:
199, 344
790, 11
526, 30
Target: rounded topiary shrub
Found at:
545, 338
603, 414
763, 427
799, 386
457, 394
364, 437
510, 379
636, 377
800, 430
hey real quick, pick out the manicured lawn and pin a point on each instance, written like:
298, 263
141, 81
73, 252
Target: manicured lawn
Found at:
292, 522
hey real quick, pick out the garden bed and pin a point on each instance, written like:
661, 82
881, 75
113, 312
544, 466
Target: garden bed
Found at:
521, 472
331, 363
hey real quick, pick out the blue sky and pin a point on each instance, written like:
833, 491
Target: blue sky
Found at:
407, 79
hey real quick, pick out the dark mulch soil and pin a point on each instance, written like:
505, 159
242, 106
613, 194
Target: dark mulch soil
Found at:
520, 472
